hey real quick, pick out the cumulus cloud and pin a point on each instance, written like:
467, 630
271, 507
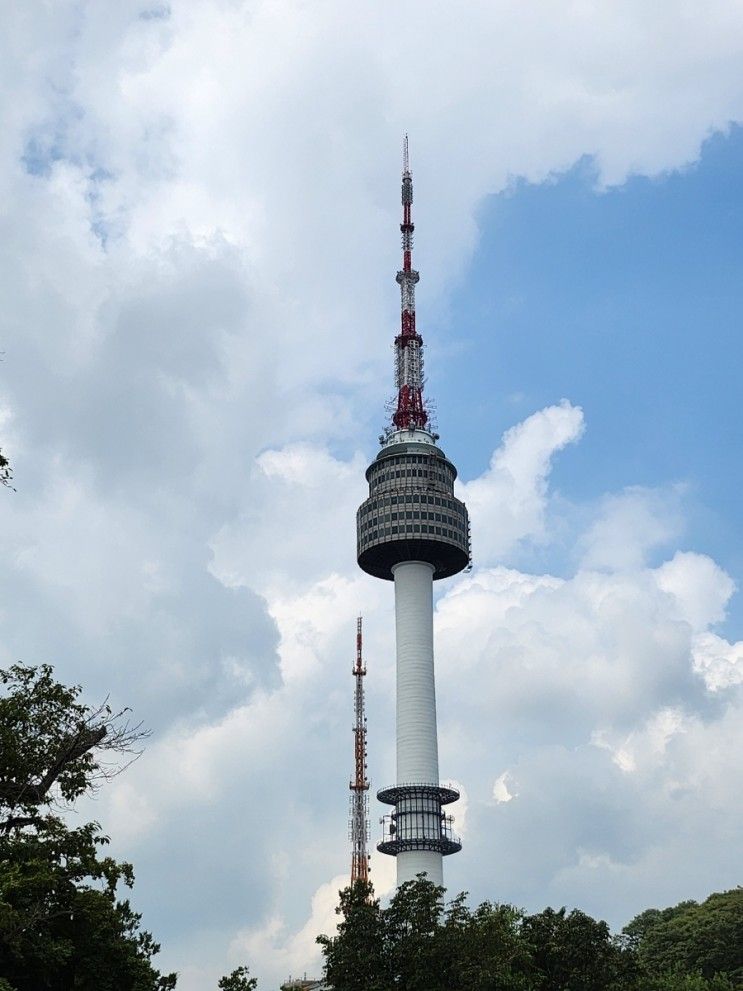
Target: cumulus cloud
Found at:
630, 526
718, 661
508, 502
300, 521
606, 696
701, 588
500, 788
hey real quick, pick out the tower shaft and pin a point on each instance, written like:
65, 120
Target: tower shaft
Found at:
417, 740
359, 814
417, 743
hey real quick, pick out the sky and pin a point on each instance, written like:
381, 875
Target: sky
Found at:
200, 209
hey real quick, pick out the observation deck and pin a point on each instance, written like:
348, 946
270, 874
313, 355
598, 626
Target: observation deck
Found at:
418, 822
412, 513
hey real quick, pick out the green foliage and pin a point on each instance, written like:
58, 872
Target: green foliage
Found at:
483, 949
6, 477
238, 980
413, 931
687, 982
640, 926
419, 943
572, 950
62, 925
355, 958
691, 938
53, 748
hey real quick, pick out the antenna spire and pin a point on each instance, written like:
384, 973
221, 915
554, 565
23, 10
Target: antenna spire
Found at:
359, 817
410, 412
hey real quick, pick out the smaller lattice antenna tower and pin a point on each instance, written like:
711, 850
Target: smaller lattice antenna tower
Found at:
359, 817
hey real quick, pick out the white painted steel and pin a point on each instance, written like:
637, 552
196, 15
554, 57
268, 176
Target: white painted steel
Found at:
417, 743
408, 437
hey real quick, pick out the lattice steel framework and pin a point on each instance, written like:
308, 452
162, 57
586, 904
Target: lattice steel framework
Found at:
359, 817
410, 412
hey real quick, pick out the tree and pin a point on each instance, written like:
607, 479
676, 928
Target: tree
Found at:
413, 931
686, 982
693, 938
238, 980
573, 952
419, 943
62, 924
355, 957
53, 747
486, 946
636, 930
6, 477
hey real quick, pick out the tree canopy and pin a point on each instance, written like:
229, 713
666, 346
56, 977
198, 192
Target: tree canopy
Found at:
6, 477
238, 980
704, 938
421, 942
63, 924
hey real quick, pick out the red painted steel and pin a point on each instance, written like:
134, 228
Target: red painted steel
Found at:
410, 411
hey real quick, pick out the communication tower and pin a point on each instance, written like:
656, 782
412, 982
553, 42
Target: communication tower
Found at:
412, 530
359, 817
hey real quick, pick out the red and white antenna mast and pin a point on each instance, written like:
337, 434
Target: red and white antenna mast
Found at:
359, 818
410, 413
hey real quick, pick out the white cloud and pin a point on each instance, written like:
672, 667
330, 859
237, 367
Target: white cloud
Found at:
629, 526
507, 503
501, 792
700, 587
718, 661
649, 742
292, 954
300, 522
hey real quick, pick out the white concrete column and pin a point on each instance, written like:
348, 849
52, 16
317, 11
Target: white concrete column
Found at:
417, 743
414, 862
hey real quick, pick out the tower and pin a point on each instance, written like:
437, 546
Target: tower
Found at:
412, 530
358, 819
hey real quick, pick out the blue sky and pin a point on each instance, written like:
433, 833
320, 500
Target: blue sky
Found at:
198, 245
627, 301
